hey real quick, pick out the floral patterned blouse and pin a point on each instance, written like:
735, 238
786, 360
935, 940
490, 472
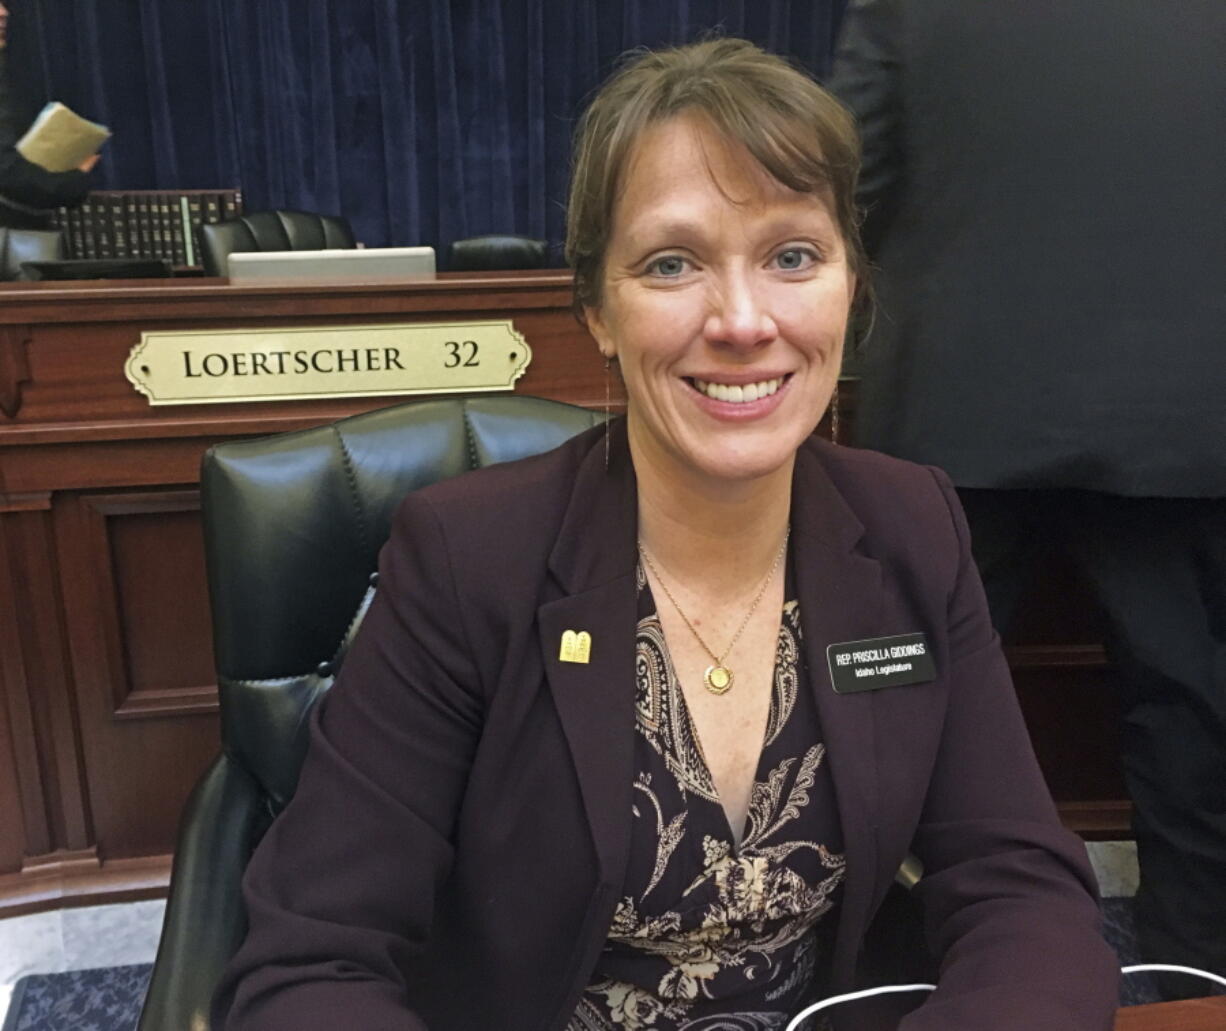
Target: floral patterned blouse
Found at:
709, 937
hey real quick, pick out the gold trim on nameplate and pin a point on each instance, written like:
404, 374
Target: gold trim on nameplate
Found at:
212, 366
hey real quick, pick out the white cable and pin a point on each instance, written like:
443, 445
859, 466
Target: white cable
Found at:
1175, 969
834, 1000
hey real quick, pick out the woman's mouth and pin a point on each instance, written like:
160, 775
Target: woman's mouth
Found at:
738, 393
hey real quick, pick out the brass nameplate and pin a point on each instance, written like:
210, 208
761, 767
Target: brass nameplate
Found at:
210, 366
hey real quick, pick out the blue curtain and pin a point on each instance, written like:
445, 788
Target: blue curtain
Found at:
422, 121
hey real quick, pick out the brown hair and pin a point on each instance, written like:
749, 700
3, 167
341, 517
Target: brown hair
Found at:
796, 130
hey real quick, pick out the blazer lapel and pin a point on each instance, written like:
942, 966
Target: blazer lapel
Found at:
593, 563
595, 703
840, 594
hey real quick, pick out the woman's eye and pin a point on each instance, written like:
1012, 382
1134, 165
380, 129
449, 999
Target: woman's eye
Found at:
794, 258
668, 266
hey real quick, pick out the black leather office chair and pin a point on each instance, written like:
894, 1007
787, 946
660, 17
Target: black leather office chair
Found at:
271, 231
15, 215
20, 245
293, 525
489, 253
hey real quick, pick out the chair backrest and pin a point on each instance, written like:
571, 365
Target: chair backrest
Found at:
271, 231
20, 245
293, 526
16, 215
489, 253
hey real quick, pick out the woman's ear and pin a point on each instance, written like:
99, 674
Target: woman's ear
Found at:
594, 320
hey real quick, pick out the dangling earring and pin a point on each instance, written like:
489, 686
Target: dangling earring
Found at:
607, 376
834, 415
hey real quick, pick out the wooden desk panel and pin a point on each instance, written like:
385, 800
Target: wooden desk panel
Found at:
107, 694
1191, 1015
62, 350
107, 700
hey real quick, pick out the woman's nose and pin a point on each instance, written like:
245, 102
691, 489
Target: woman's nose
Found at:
739, 316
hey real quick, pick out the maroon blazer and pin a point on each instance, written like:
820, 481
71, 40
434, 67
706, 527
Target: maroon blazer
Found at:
459, 836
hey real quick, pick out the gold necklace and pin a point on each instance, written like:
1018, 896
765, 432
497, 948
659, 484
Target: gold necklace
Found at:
718, 678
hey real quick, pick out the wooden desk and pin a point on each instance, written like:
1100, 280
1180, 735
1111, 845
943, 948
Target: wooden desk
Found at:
107, 700
107, 695
1191, 1015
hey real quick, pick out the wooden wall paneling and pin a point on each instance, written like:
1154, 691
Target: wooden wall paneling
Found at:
25, 826
140, 643
156, 546
1073, 716
13, 832
14, 367
44, 729
1067, 689
142, 462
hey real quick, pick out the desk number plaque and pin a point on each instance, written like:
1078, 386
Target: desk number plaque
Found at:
303, 363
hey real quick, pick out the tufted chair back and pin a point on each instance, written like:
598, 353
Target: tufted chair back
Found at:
293, 525
490, 253
271, 231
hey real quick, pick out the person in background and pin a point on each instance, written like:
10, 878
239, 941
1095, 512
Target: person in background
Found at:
29, 192
1045, 196
637, 733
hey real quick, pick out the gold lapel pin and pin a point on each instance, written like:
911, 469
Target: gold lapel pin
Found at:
576, 647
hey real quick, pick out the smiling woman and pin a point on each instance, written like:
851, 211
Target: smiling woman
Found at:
724, 298
689, 822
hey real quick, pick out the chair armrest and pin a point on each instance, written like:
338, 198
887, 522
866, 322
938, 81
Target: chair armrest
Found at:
205, 921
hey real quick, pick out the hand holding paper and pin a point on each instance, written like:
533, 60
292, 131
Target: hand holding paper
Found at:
60, 139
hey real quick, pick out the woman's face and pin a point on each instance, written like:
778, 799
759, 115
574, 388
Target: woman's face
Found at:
725, 301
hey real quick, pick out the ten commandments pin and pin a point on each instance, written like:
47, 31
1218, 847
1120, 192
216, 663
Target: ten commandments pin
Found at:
576, 647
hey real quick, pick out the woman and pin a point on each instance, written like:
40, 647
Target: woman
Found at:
638, 732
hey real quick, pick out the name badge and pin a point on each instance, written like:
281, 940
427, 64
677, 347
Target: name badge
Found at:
879, 662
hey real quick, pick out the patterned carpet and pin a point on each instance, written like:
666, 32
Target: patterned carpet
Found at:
1120, 932
109, 999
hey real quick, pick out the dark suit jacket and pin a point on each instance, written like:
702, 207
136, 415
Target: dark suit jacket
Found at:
21, 180
1046, 184
459, 836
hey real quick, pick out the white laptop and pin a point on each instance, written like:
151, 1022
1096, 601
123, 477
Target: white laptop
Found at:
363, 265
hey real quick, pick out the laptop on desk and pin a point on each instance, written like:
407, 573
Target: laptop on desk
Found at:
366, 265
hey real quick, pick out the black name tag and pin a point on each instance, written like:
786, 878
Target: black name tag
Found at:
879, 662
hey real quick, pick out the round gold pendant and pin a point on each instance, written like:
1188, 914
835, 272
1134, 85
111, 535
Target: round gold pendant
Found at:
718, 679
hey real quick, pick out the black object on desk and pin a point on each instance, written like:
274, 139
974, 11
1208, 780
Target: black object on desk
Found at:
98, 268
